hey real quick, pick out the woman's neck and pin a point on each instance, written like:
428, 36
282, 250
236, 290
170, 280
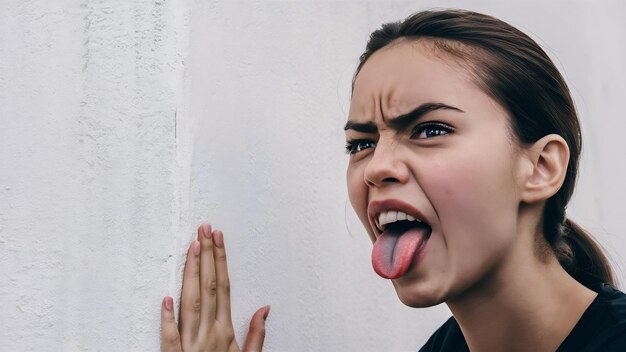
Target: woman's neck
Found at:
527, 305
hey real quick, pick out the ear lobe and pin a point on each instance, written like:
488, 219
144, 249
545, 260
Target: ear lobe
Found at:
549, 157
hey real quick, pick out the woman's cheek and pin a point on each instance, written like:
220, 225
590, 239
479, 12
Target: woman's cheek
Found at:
475, 226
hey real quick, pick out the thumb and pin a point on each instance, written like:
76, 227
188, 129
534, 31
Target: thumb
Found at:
256, 333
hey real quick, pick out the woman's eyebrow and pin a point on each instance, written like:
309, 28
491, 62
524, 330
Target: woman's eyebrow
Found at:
365, 127
402, 121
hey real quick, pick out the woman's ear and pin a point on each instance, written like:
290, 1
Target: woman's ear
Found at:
547, 161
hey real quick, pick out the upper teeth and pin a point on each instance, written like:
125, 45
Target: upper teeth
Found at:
390, 216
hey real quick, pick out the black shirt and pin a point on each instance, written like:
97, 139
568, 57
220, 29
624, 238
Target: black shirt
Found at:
601, 328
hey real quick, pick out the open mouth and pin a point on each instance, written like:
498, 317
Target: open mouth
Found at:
399, 228
396, 217
401, 239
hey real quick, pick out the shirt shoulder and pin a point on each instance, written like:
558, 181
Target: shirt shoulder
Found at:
615, 302
447, 338
603, 325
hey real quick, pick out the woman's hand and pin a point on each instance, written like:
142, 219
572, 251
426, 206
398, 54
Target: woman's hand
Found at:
205, 320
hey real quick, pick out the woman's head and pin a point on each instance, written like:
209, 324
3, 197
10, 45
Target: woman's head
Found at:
498, 140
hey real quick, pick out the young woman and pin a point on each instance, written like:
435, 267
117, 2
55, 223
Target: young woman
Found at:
464, 146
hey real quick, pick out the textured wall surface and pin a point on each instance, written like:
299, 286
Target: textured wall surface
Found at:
124, 124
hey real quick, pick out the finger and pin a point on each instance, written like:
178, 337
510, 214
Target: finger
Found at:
223, 281
207, 277
170, 338
190, 297
256, 334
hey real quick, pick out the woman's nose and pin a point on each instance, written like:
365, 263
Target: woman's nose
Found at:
386, 166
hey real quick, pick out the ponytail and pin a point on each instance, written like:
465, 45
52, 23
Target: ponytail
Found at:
582, 257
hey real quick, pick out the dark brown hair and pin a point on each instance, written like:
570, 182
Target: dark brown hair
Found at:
512, 68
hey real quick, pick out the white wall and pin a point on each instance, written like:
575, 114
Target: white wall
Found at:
124, 124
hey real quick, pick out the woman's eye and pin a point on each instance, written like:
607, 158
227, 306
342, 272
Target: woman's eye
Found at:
431, 130
355, 146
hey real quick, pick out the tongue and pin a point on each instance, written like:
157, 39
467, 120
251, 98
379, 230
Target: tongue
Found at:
393, 252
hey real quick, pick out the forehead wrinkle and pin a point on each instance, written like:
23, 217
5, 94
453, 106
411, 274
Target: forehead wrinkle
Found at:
381, 83
375, 107
385, 103
385, 99
371, 109
365, 110
381, 107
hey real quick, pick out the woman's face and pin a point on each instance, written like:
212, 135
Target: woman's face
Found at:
426, 141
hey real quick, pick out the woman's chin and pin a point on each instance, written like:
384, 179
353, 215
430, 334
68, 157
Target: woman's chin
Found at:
419, 295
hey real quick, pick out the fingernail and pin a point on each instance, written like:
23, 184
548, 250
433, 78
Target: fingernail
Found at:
218, 237
267, 312
168, 301
206, 230
195, 247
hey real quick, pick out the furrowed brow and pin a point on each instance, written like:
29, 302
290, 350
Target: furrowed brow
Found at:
400, 122
403, 121
366, 127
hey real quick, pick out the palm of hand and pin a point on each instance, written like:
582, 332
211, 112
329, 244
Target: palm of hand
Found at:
205, 313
